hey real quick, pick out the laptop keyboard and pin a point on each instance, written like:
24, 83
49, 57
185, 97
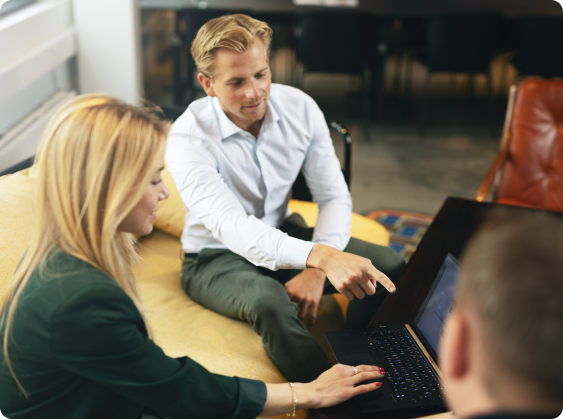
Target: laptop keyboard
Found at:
407, 370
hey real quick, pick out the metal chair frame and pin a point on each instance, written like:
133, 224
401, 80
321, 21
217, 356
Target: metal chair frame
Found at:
487, 190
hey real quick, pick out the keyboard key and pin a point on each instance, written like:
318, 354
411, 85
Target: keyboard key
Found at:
410, 377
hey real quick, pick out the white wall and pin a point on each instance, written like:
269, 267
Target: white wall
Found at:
22, 140
35, 44
109, 45
37, 50
47, 46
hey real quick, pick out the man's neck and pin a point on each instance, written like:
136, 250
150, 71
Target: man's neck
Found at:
251, 127
254, 128
478, 402
472, 401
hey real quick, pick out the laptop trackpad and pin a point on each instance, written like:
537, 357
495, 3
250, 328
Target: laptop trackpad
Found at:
356, 359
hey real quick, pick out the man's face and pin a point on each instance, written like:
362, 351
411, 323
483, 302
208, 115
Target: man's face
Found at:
242, 84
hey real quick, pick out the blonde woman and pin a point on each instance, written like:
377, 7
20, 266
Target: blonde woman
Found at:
75, 340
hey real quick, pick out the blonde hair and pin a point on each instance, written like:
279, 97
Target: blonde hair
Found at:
93, 160
233, 32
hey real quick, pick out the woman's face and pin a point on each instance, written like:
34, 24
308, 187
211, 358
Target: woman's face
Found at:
142, 217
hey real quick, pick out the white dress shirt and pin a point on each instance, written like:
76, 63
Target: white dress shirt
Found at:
236, 187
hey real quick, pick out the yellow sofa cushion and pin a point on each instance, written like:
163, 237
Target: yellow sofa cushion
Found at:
171, 212
16, 223
184, 328
361, 228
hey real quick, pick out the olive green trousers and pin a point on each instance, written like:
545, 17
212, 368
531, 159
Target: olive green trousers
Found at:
227, 283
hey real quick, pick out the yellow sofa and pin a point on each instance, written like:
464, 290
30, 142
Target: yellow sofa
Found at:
182, 327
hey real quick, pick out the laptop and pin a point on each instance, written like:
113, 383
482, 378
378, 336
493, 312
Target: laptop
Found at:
408, 353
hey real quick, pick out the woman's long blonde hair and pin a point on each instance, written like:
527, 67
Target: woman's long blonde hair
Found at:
95, 157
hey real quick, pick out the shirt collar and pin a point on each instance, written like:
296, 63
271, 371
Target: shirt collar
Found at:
229, 128
271, 115
226, 126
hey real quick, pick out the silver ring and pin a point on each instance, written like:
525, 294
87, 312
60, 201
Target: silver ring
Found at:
355, 370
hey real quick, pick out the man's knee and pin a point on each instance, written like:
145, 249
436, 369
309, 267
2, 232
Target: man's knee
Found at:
269, 304
270, 310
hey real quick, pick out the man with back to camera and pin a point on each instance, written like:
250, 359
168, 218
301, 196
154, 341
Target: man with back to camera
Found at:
234, 156
502, 346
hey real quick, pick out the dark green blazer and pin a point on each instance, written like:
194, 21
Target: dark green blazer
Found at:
80, 349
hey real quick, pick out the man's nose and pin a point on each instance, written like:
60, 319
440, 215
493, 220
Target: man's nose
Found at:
252, 92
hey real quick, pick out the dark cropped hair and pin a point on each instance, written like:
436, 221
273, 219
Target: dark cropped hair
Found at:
512, 280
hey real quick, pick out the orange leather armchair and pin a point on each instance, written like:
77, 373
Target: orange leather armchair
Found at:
528, 170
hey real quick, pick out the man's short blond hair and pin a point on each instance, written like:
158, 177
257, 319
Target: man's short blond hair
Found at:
233, 32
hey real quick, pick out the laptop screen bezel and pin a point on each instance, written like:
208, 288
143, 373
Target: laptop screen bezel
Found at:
413, 325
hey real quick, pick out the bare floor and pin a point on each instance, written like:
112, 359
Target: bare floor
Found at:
398, 170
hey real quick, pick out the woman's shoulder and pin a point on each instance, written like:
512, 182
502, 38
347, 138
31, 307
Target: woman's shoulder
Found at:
62, 278
65, 296
60, 265
68, 272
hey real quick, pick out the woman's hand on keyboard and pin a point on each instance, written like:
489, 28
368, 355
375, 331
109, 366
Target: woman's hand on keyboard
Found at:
340, 383
333, 386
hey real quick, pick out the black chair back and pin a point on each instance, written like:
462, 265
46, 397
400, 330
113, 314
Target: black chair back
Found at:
300, 189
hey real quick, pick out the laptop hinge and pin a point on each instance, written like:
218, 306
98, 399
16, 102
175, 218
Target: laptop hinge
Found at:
424, 351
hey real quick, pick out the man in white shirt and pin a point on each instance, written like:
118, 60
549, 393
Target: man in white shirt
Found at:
234, 156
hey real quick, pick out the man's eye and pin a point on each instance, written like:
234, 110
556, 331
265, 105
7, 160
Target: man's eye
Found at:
259, 76
237, 83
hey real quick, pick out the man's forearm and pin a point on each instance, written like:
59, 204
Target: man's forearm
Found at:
333, 224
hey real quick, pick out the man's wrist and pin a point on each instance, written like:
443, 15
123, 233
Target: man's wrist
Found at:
318, 256
318, 274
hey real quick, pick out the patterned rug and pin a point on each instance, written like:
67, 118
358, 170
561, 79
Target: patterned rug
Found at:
405, 228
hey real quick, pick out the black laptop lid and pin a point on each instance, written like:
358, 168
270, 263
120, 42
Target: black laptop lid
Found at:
429, 321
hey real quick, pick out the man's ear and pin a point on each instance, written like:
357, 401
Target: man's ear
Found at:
206, 84
454, 346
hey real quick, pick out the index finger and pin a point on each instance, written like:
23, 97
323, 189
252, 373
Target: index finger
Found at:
382, 279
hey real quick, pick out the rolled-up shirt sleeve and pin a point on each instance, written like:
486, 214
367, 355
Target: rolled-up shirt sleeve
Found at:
327, 185
209, 198
99, 334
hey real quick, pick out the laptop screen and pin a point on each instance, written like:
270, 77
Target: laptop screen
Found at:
438, 304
